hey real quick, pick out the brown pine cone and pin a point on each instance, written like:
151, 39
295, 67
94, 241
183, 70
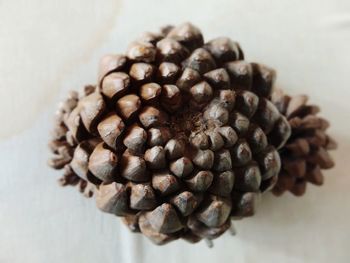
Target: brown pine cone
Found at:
179, 136
63, 145
306, 151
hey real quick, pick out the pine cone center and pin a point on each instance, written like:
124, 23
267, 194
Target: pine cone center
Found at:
186, 122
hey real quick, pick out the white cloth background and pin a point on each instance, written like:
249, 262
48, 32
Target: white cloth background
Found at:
50, 47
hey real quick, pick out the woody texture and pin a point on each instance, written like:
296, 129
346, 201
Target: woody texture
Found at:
306, 152
178, 137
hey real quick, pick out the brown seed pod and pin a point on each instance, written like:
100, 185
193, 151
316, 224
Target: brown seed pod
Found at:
179, 135
306, 152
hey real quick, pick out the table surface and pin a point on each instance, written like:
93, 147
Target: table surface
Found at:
50, 47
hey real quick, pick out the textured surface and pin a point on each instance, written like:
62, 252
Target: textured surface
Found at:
175, 112
48, 48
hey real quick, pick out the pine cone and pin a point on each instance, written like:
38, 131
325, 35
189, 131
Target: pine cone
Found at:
306, 151
179, 136
63, 145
